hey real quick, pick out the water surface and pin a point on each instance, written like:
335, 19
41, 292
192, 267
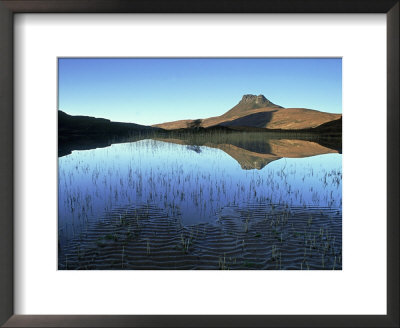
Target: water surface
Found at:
178, 204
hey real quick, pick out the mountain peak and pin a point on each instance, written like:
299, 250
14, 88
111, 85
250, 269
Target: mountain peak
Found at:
248, 103
253, 98
259, 101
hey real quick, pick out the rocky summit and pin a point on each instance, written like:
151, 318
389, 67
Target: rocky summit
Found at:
259, 100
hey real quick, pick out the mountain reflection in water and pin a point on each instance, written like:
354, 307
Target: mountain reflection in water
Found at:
252, 150
257, 154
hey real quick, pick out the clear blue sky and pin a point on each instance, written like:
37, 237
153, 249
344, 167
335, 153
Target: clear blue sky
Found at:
149, 91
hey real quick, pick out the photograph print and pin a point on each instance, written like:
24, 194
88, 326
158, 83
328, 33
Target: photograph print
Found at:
199, 164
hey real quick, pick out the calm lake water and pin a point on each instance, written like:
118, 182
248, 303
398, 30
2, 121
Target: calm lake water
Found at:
166, 204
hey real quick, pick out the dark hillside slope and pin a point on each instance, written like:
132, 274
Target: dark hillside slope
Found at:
86, 132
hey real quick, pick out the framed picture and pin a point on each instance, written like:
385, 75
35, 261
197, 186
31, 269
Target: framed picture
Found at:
184, 164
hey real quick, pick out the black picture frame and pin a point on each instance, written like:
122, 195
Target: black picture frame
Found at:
10, 7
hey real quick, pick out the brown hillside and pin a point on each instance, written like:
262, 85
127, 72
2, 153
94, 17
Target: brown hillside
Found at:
259, 112
285, 118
